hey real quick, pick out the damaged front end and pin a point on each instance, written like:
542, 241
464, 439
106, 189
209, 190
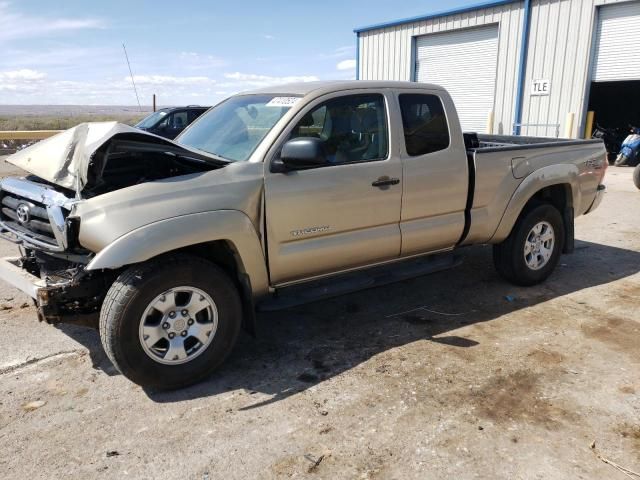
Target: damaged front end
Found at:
37, 212
51, 268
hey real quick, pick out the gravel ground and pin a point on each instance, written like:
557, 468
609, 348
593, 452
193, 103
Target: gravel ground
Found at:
454, 375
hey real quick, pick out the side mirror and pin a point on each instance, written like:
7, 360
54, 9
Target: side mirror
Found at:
300, 154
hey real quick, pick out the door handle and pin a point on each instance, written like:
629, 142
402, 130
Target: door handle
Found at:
385, 181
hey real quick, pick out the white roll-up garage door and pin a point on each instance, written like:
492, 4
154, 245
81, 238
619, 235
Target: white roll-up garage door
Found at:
464, 62
617, 55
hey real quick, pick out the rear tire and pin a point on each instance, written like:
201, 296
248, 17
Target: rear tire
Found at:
636, 176
189, 304
532, 250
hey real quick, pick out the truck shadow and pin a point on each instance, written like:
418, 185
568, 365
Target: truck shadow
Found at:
299, 348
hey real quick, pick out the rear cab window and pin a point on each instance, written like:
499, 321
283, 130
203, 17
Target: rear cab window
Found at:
424, 123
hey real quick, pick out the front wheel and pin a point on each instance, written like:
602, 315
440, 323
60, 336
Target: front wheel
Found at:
636, 176
170, 323
532, 250
621, 160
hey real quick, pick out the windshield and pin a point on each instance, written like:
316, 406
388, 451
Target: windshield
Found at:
151, 120
234, 128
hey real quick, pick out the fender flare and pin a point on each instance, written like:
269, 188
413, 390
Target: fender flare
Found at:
174, 233
562, 174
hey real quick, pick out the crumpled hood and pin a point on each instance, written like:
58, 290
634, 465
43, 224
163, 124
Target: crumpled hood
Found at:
64, 158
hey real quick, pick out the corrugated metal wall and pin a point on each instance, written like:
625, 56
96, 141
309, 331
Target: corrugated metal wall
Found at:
560, 49
386, 54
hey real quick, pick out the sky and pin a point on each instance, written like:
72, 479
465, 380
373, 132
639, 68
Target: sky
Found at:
69, 52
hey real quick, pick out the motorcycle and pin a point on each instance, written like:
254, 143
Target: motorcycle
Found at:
612, 138
629, 149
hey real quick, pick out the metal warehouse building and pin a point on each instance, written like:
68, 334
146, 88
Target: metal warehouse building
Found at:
535, 67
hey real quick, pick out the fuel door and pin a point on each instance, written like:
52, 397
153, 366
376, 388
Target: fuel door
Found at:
520, 167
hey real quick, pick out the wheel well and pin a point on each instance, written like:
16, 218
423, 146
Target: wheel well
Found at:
561, 197
225, 256
219, 252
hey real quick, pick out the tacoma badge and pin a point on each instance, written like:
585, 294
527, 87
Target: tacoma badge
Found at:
309, 231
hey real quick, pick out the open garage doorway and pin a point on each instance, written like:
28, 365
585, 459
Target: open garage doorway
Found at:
614, 95
616, 104
616, 107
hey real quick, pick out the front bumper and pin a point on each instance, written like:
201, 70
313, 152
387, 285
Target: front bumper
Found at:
53, 300
12, 273
599, 196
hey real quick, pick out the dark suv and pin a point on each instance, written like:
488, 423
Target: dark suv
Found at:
169, 122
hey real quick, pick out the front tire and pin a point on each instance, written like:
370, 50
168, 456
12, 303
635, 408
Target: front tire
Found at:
532, 250
171, 322
621, 160
636, 176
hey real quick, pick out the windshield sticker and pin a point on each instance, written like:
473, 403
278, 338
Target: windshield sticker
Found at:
286, 102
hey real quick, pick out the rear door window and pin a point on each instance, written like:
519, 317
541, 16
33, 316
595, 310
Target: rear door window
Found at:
424, 123
193, 114
179, 120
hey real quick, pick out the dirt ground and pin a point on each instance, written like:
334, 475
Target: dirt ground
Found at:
455, 375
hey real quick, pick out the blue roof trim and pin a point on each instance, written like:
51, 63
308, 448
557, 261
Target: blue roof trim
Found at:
445, 13
357, 57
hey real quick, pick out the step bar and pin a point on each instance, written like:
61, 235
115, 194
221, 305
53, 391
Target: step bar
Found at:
337, 285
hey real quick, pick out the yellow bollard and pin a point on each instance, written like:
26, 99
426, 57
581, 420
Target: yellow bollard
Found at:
568, 132
490, 119
588, 128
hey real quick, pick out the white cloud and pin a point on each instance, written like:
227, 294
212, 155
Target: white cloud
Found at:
345, 51
24, 74
169, 89
169, 80
200, 61
61, 56
346, 65
269, 37
14, 25
254, 80
24, 80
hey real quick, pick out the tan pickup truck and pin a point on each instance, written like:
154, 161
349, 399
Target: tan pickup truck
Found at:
272, 198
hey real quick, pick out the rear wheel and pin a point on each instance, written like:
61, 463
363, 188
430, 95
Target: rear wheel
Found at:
636, 176
532, 250
170, 323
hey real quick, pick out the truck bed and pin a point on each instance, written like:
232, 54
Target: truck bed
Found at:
511, 142
498, 164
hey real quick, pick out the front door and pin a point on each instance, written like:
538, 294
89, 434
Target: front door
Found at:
345, 214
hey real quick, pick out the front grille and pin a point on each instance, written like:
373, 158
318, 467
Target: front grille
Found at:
38, 219
25, 216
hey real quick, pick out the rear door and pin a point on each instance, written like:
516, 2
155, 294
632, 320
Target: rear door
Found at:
435, 171
337, 217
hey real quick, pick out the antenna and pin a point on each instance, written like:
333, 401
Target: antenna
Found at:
131, 74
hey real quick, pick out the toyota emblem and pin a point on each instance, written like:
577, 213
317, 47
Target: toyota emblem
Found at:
24, 213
